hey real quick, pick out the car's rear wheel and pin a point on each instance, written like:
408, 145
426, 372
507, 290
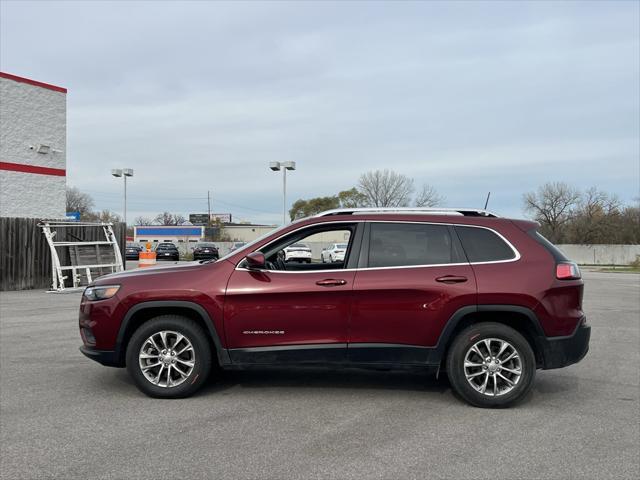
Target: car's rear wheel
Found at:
169, 357
491, 365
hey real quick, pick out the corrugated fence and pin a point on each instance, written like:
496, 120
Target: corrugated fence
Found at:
25, 259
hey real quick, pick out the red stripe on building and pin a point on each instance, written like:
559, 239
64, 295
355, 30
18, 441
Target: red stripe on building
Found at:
21, 167
35, 83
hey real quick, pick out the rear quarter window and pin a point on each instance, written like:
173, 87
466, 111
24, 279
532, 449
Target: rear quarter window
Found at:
482, 245
555, 252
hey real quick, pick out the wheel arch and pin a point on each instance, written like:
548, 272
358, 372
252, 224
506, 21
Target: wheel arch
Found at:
521, 319
141, 312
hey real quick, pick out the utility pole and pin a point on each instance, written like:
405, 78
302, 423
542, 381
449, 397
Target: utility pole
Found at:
209, 212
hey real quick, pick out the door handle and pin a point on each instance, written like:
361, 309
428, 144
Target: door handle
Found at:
331, 282
451, 279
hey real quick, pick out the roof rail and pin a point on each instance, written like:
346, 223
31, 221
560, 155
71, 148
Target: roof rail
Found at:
467, 212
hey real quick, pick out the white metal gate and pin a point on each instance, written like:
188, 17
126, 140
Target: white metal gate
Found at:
77, 268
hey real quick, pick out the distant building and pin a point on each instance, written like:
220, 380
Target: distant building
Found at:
245, 232
33, 147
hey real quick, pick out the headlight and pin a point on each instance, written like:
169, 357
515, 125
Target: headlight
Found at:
102, 292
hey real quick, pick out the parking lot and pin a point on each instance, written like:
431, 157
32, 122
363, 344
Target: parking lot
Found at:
65, 416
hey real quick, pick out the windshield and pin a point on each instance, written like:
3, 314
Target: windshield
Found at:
341, 245
251, 244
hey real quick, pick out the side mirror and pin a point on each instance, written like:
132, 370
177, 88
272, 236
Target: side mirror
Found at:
255, 261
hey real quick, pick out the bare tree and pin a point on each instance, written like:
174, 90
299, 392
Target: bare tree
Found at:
143, 221
429, 197
166, 218
78, 201
386, 188
552, 205
596, 218
106, 216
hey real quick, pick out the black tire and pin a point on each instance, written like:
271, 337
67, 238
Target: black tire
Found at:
201, 350
456, 371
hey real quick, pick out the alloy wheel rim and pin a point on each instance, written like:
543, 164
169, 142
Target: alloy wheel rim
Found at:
493, 367
167, 358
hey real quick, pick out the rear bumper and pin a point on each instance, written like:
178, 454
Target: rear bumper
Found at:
565, 351
105, 357
205, 256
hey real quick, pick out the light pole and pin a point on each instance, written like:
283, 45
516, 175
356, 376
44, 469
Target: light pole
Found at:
284, 166
123, 172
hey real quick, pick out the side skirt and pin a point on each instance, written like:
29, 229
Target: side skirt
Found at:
356, 354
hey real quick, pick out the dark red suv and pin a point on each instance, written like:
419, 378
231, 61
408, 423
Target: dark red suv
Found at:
486, 299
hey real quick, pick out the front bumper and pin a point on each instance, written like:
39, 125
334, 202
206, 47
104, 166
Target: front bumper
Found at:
105, 357
565, 351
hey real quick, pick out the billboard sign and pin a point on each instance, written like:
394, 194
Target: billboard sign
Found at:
201, 218
198, 218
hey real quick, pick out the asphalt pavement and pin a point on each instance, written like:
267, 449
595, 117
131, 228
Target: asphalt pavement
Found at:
64, 416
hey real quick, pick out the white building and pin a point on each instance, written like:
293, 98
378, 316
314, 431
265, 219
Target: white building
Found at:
33, 144
245, 232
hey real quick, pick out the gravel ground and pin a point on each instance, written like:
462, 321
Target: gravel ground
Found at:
64, 416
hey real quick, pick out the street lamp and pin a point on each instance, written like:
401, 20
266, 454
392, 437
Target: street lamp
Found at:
284, 166
123, 172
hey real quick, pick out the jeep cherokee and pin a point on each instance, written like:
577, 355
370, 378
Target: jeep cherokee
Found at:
487, 300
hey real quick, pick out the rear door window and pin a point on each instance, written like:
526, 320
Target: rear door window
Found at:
405, 244
483, 245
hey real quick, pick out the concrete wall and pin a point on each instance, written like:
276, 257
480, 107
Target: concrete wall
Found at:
582, 254
316, 247
601, 254
30, 114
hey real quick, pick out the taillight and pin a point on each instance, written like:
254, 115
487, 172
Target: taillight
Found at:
567, 271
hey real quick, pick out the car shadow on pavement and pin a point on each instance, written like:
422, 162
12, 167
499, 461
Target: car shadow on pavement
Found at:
548, 386
327, 378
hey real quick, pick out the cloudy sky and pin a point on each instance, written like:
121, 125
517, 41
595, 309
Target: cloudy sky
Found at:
469, 97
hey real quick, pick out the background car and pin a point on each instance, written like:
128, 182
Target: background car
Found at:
237, 245
205, 251
167, 251
334, 253
298, 252
132, 251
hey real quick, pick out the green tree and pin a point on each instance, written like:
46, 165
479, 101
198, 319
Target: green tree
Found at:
305, 208
352, 198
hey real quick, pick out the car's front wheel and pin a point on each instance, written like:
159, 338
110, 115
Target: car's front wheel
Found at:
169, 357
491, 365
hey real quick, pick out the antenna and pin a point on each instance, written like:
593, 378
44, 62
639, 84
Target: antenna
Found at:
487, 201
